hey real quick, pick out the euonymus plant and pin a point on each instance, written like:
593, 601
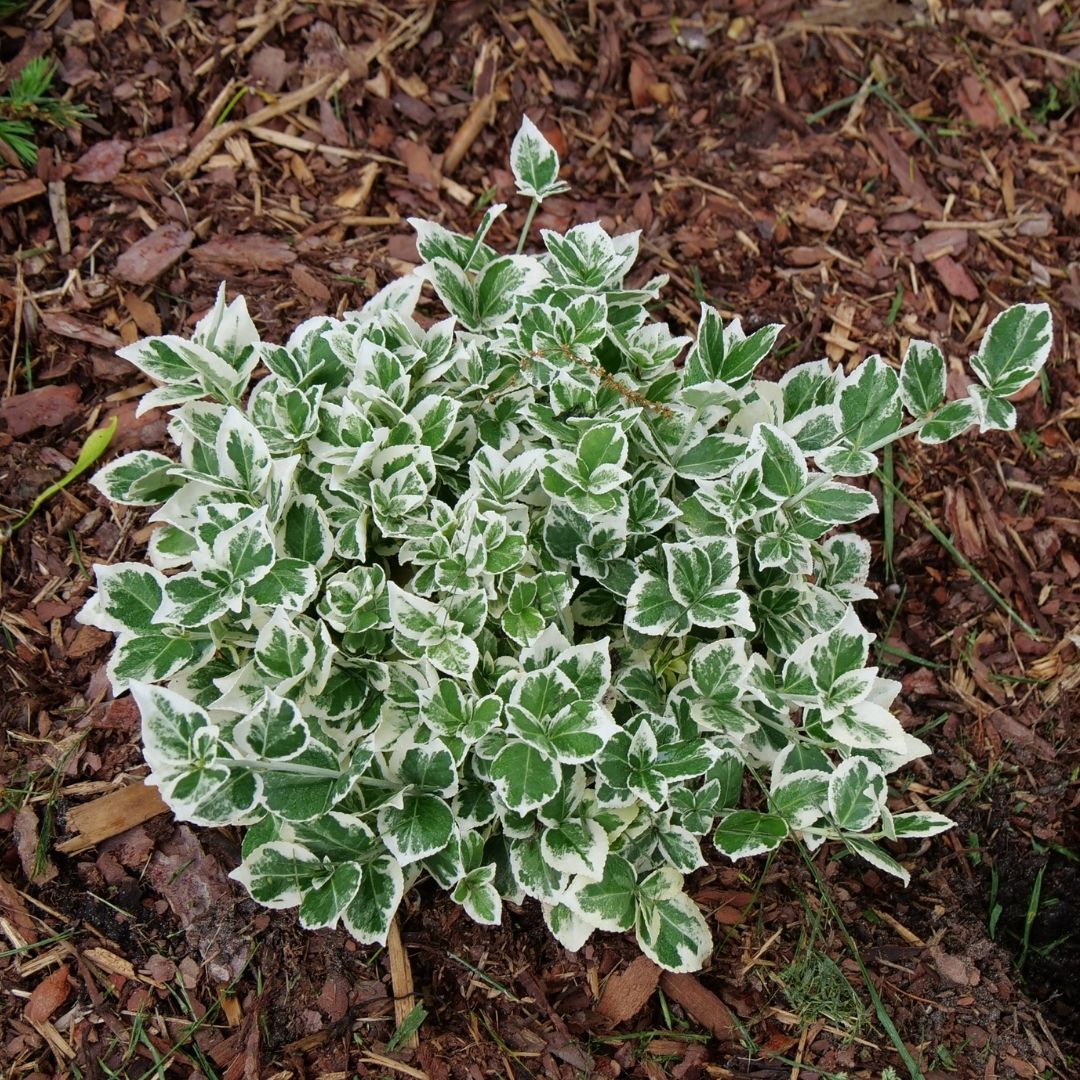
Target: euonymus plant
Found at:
518, 598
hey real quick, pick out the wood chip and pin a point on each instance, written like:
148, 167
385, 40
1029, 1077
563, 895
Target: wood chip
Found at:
144, 313
60, 322
18, 916
905, 171
309, 284
20, 191
148, 258
955, 969
49, 995
59, 211
955, 278
357, 196
554, 39
1012, 730
46, 406
102, 163
110, 962
28, 845
480, 115
627, 991
702, 1004
328, 84
251, 251
111, 815
940, 242
401, 981
642, 77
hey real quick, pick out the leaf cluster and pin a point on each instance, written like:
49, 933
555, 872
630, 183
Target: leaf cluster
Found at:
514, 598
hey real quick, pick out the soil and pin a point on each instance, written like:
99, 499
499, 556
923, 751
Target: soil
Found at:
863, 172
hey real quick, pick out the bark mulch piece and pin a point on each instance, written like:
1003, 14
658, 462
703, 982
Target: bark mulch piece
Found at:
864, 173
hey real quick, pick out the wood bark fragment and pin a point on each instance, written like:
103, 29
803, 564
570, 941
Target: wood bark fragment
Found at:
110, 815
702, 1004
401, 981
627, 991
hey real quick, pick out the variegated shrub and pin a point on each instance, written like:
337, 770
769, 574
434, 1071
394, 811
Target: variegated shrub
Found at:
518, 599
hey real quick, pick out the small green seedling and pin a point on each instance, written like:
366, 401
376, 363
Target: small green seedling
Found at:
97, 442
28, 102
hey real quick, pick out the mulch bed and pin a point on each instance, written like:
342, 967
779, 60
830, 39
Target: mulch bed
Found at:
862, 172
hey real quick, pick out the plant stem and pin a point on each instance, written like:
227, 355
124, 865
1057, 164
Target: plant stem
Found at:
533, 207
888, 500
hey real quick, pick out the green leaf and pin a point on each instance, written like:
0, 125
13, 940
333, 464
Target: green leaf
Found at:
601, 444
196, 600
305, 532
138, 479
455, 290
846, 461
153, 657
588, 667
725, 354
499, 284
800, 799
783, 467
371, 911
922, 378
920, 823
429, 768
323, 903
531, 874
455, 655
1013, 350
856, 794
421, 827
714, 456
669, 926
310, 788
283, 653
97, 442
275, 731
951, 420
175, 732
242, 454
478, 896
876, 856
128, 597
607, 903
335, 836
576, 847
524, 777
579, 731
745, 833
279, 873
867, 726
994, 413
838, 504
869, 405
566, 926
246, 550
535, 163
166, 359
289, 584
718, 668
651, 609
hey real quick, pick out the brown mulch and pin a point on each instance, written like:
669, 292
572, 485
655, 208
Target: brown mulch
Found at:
863, 172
